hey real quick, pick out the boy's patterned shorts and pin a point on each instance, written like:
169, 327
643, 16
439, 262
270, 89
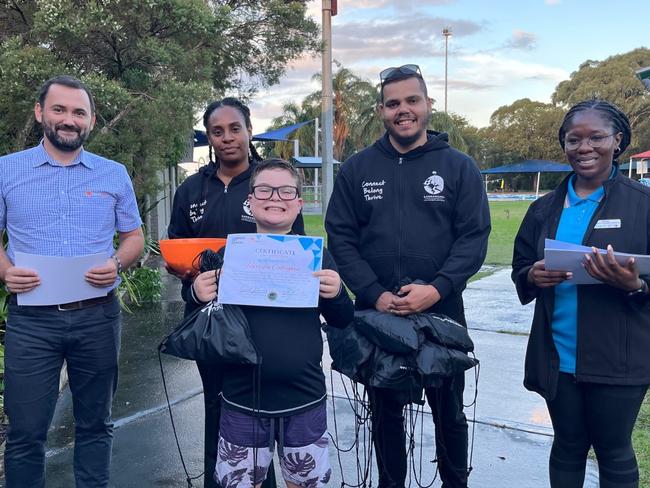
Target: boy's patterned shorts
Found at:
246, 446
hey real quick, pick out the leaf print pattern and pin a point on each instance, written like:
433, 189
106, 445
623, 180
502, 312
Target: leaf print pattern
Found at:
326, 477
233, 479
297, 465
257, 475
231, 453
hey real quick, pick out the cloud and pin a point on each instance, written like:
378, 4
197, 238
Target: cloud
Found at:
552, 2
522, 40
492, 69
401, 37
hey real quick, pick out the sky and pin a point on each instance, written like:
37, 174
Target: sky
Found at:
500, 50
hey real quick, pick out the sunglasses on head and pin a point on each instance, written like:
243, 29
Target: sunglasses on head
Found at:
407, 69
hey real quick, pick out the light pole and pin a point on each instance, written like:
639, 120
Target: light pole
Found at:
327, 153
447, 33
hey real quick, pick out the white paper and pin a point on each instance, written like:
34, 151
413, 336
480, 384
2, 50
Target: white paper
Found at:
62, 279
564, 256
271, 270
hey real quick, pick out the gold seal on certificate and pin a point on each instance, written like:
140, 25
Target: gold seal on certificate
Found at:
271, 270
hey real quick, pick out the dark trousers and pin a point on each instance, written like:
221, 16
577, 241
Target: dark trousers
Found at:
37, 341
598, 415
212, 379
389, 437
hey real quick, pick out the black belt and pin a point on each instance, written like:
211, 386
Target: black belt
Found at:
66, 307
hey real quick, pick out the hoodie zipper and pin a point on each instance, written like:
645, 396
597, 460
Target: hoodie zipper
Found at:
399, 218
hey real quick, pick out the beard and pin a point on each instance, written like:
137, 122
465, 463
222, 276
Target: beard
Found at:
406, 141
65, 144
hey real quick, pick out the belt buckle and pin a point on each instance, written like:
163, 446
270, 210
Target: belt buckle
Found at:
66, 307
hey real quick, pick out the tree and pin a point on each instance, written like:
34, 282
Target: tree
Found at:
352, 97
151, 65
524, 129
613, 80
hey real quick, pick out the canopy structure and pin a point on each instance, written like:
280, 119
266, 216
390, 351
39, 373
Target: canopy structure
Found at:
281, 133
309, 161
637, 162
200, 139
529, 166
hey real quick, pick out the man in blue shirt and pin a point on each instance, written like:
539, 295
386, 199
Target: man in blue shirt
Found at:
59, 200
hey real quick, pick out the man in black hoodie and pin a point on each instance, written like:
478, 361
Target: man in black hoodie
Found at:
410, 207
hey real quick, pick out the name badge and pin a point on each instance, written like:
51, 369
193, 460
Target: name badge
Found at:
608, 224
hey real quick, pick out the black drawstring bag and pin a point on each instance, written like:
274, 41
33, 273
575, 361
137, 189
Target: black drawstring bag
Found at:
213, 333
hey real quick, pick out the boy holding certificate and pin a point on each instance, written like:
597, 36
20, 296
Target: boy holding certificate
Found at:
282, 402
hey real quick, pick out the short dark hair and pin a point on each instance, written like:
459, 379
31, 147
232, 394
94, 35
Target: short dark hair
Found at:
609, 111
241, 108
399, 76
70, 82
275, 163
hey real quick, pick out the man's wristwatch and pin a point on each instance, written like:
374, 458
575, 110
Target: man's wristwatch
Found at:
119, 263
639, 292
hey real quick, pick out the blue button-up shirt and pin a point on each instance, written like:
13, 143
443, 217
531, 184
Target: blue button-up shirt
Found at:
52, 209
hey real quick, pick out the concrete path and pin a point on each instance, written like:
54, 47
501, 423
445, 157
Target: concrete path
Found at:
512, 432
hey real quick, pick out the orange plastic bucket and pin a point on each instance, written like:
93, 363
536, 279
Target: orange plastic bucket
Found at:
182, 254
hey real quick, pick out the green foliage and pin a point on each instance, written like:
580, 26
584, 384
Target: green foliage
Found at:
522, 130
138, 286
613, 79
151, 65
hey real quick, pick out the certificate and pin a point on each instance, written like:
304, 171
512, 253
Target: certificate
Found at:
62, 279
564, 256
271, 270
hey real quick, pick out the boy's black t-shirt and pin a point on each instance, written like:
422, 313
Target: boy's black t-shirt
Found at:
290, 378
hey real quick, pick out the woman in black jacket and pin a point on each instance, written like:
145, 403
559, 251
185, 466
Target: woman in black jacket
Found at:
214, 203
588, 344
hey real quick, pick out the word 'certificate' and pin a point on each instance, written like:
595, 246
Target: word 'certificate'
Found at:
271, 270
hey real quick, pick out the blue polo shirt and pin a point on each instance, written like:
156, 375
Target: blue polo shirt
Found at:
52, 209
572, 228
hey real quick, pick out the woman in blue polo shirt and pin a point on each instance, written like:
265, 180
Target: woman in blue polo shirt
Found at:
588, 343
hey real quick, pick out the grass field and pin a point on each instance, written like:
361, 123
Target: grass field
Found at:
506, 218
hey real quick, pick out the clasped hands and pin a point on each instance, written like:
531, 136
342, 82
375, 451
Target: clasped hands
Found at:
604, 268
412, 298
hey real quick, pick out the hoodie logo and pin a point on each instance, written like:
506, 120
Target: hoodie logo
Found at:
247, 216
197, 210
373, 190
434, 185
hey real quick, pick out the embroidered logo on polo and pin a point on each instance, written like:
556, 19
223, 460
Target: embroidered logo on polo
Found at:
247, 216
197, 210
434, 185
373, 190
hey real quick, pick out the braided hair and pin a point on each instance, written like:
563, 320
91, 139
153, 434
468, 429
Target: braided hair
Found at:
609, 112
243, 109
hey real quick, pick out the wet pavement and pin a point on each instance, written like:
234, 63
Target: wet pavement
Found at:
512, 432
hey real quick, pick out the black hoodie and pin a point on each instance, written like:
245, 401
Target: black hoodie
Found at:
420, 215
205, 207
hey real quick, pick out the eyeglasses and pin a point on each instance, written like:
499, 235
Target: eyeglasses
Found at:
265, 192
407, 69
595, 141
